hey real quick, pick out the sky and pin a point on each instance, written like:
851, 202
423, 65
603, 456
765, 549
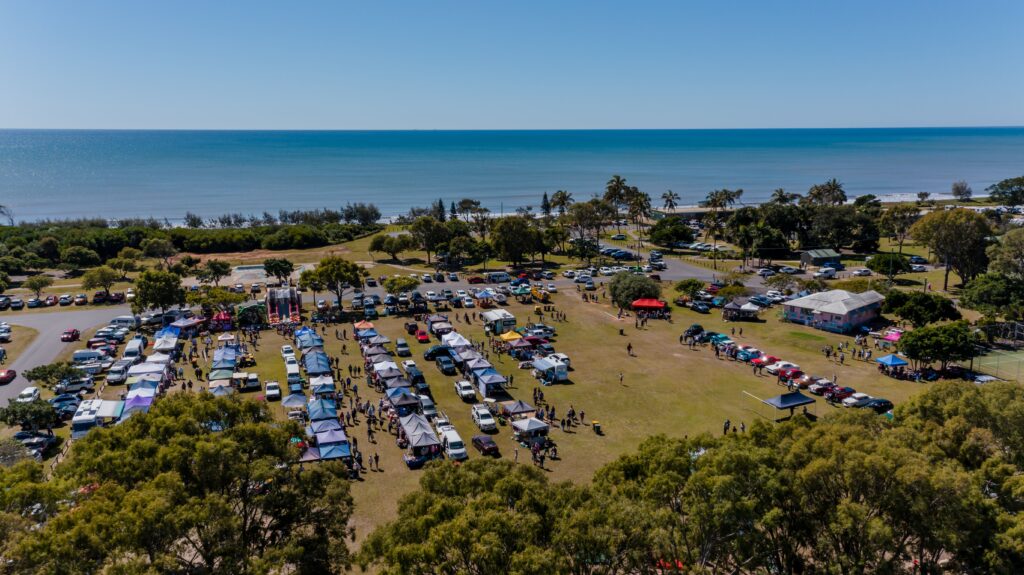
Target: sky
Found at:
441, 64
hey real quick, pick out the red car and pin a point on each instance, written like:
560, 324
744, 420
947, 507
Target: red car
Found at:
764, 360
7, 376
116, 297
791, 373
837, 394
70, 335
476, 280
99, 297
422, 337
51, 300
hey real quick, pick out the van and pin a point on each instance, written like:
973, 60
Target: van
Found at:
126, 321
293, 374
119, 372
402, 348
83, 356
825, 273
133, 350
498, 277
454, 447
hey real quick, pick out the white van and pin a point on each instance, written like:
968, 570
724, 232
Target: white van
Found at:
84, 356
454, 447
133, 350
292, 371
126, 321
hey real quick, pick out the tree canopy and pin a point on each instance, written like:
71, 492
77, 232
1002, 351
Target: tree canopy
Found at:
102, 277
1009, 191
889, 265
945, 343
958, 238
920, 308
625, 288
278, 268
158, 289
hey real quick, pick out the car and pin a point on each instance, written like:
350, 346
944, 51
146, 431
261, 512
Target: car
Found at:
465, 390
764, 360
468, 302
700, 307
422, 336
791, 373
485, 445
552, 288
838, 394
71, 335
438, 277
28, 395
436, 351
789, 270
778, 366
864, 272
590, 286
483, 418
453, 277
287, 351
821, 387
765, 272
825, 273
81, 299
290, 360
761, 301
914, 268
99, 297
63, 398
17, 303
476, 280
569, 274
115, 297
75, 385
51, 300
273, 391
748, 353
878, 405
858, 399
427, 278
461, 294
445, 364
453, 446
35, 302
427, 407
7, 376
918, 260
64, 300
432, 295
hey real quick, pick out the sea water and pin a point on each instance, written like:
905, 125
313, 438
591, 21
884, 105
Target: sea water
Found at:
164, 174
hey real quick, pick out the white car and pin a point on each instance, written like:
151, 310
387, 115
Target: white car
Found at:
273, 391
775, 368
606, 271
918, 268
862, 272
468, 302
453, 445
461, 293
569, 274
431, 295
857, 400
765, 272
647, 269
28, 395
290, 360
552, 288
287, 351
483, 418
562, 358
129, 294
407, 364
465, 390
789, 270
582, 279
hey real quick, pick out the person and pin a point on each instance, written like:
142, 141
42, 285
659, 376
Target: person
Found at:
629, 349
743, 427
726, 426
376, 460
515, 455
620, 378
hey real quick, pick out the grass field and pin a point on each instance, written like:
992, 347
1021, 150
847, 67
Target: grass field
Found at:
21, 338
666, 388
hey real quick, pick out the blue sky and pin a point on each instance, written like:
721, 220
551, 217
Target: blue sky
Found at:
516, 65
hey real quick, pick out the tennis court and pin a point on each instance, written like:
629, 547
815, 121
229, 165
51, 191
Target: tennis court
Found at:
1002, 364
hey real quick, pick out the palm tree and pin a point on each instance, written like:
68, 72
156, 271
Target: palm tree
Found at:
561, 200
615, 194
670, 199
830, 193
717, 203
639, 206
782, 197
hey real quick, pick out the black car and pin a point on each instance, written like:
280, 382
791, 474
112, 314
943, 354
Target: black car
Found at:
694, 330
437, 350
5, 302
439, 277
445, 364
879, 405
485, 445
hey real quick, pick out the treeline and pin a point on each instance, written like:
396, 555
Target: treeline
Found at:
79, 244
939, 490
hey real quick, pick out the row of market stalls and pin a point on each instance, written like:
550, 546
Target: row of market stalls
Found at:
480, 372
325, 432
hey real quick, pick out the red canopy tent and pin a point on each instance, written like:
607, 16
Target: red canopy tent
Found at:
648, 303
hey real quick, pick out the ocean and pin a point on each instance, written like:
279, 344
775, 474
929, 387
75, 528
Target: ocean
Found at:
163, 174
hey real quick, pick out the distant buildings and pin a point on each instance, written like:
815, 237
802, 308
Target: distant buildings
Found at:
835, 310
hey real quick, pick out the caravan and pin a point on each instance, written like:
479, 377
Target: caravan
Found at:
550, 370
498, 321
133, 350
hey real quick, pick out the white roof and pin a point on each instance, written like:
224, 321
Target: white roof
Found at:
496, 314
837, 301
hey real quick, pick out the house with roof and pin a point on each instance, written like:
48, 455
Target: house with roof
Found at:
819, 257
835, 310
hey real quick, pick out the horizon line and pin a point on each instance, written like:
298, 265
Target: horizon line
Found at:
369, 130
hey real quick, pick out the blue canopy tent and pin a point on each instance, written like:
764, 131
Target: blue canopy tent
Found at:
335, 451
789, 401
294, 400
317, 412
226, 357
366, 333
317, 363
169, 331
323, 425
222, 390
891, 360
306, 338
332, 436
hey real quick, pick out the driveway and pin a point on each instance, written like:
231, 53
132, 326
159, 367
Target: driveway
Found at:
47, 345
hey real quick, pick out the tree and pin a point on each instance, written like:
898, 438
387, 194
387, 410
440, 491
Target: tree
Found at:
1007, 255
561, 200
961, 191
625, 288
958, 237
781, 282
180, 495
830, 193
309, 280
159, 248
78, 257
669, 200
896, 222
102, 277
638, 206
122, 266
1009, 191
995, 295
34, 415
338, 274
157, 289
467, 206
360, 213
51, 374
545, 206
429, 233
280, 268
212, 299
923, 197
942, 343
393, 245
49, 248
130, 253
889, 265
920, 308
7, 214
718, 202
513, 238
689, 287
615, 192
36, 284
401, 284
213, 271
670, 231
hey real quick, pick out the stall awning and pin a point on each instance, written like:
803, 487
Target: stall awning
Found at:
648, 303
891, 360
789, 400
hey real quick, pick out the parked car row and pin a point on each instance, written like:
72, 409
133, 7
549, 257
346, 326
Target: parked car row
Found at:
99, 298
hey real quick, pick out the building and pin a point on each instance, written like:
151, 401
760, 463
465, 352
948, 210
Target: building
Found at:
835, 310
819, 257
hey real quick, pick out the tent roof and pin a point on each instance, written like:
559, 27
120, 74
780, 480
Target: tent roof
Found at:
294, 400
335, 451
379, 340
331, 436
529, 424
322, 426
789, 400
517, 406
891, 360
648, 303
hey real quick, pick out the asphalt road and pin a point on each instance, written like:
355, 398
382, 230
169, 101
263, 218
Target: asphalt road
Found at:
47, 345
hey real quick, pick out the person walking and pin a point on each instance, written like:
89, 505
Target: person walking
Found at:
620, 378
629, 349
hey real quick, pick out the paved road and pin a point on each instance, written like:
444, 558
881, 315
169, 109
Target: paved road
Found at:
47, 345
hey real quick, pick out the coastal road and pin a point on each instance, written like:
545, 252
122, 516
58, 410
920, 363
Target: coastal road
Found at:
47, 345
